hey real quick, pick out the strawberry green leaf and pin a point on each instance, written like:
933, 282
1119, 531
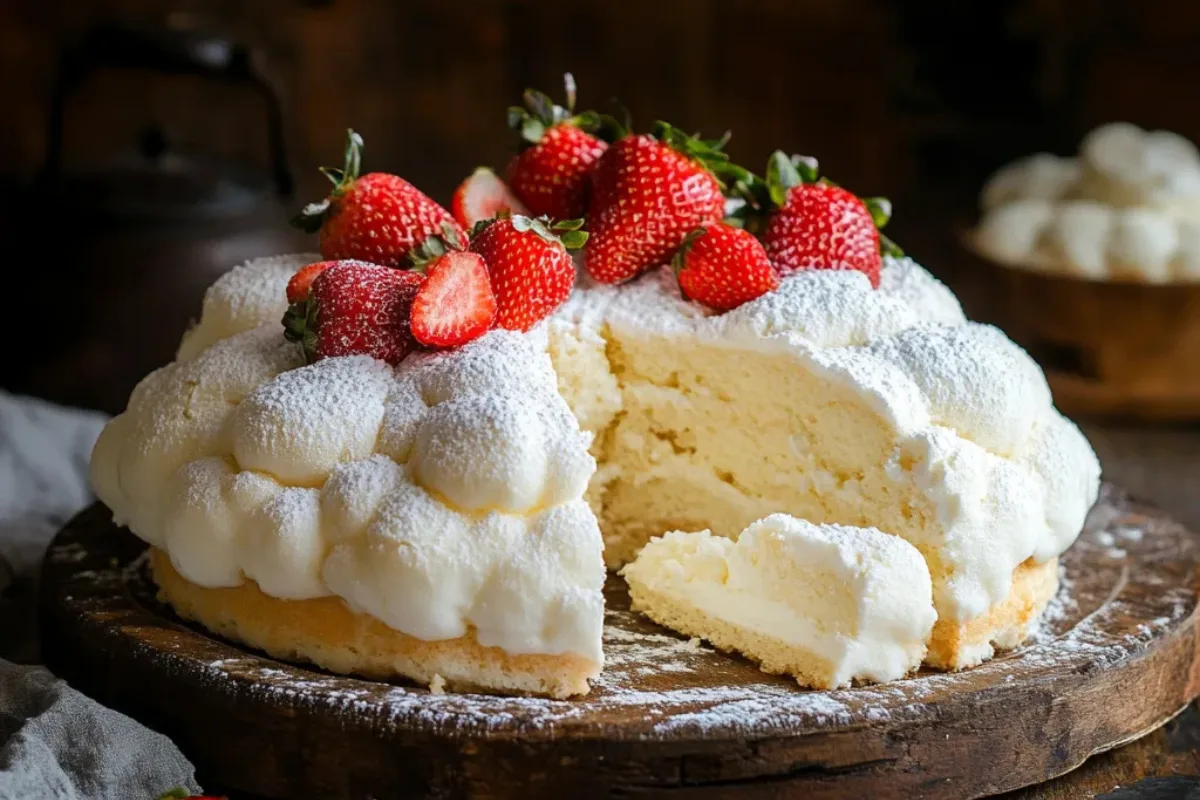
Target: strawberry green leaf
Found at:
540, 105
335, 175
532, 130
567, 225
679, 260
172, 794
452, 237
482, 224
889, 248
353, 155
574, 240
311, 217
807, 166
880, 208
427, 252
782, 175
516, 117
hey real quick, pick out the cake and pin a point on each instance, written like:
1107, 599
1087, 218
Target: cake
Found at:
418, 453
1127, 208
287, 503
827, 604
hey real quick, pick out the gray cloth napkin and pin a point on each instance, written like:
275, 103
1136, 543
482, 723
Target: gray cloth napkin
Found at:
55, 743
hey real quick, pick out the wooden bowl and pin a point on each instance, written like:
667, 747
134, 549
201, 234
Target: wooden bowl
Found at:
1109, 349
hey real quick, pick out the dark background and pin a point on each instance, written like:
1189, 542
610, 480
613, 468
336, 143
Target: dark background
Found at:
915, 100
902, 98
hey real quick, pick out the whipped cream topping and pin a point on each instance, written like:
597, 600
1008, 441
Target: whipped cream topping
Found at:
247, 296
446, 495
973, 424
856, 599
441, 496
1127, 208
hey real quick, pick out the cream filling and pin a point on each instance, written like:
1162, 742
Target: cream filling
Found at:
830, 604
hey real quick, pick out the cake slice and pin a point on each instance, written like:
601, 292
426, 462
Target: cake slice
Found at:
827, 604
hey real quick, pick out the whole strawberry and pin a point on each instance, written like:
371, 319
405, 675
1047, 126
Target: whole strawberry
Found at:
723, 267
532, 271
299, 285
648, 193
818, 225
378, 217
456, 304
355, 308
551, 175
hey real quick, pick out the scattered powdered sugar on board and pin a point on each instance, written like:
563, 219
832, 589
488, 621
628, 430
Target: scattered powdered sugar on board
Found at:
659, 685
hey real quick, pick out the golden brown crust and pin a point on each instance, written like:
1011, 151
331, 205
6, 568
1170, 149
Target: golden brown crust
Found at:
327, 633
958, 645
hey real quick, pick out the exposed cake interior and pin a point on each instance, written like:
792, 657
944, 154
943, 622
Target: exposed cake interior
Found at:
835, 404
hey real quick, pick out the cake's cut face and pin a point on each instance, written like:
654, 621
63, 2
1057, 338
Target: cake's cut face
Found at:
442, 499
835, 403
1127, 208
827, 604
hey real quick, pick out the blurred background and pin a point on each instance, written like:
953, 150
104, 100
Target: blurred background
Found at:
147, 146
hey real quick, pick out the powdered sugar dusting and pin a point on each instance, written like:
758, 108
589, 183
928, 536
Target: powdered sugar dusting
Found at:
658, 685
242, 463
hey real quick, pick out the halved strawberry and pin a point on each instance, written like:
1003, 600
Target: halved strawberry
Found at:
483, 196
722, 267
456, 304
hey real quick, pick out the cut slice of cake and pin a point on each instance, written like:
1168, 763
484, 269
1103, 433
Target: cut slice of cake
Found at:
827, 604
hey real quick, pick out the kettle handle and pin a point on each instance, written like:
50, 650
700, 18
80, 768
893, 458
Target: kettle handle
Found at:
172, 49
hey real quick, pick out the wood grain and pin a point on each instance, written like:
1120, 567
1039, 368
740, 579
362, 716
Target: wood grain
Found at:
1119, 659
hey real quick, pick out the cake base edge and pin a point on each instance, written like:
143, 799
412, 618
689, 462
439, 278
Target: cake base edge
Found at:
327, 633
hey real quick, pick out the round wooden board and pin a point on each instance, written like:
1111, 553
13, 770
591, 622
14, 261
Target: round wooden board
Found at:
1114, 658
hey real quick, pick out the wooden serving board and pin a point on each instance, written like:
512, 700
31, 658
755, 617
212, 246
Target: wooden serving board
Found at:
1114, 658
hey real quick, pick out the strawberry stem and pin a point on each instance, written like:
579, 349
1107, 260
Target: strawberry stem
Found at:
569, 86
680, 258
312, 216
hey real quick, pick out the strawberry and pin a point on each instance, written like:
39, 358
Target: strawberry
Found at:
299, 284
483, 196
551, 174
456, 304
815, 224
648, 193
378, 218
722, 267
532, 272
355, 308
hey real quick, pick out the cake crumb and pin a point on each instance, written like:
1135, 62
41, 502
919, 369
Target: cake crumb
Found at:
437, 685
